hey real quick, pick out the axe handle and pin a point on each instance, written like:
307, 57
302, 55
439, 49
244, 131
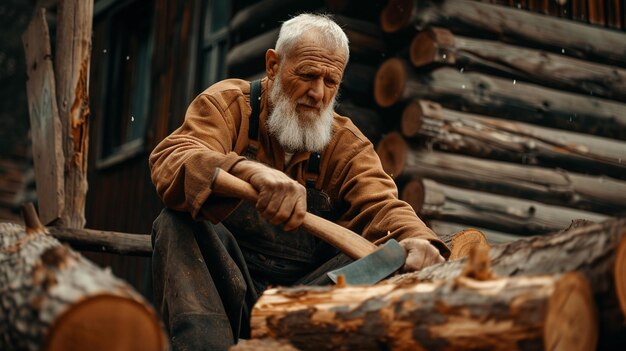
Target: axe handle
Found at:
349, 242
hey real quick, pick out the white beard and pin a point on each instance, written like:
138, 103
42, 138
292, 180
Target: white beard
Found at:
294, 133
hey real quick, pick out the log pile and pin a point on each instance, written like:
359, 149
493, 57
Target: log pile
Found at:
54, 299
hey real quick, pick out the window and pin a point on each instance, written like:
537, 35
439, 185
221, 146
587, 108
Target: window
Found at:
127, 92
214, 45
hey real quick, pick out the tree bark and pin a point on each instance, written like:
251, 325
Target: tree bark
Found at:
511, 215
478, 93
72, 83
508, 24
513, 141
520, 313
597, 250
54, 299
439, 45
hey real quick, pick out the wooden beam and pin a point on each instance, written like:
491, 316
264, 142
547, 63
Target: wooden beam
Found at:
512, 141
494, 237
72, 86
104, 241
509, 24
439, 45
552, 186
502, 213
45, 125
509, 99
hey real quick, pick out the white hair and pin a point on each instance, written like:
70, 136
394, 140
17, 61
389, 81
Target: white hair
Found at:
328, 31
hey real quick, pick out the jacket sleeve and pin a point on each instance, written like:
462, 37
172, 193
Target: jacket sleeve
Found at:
369, 198
183, 163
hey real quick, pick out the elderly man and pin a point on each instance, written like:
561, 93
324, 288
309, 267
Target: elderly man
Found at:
282, 136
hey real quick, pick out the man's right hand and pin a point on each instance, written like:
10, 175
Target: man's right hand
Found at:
281, 199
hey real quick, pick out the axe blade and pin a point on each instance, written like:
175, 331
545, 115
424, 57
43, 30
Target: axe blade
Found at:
374, 267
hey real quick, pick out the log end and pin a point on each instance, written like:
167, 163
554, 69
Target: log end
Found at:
619, 273
572, 320
423, 50
411, 119
413, 193
396, 15
464, 241
392, 151
390, 82
107, 322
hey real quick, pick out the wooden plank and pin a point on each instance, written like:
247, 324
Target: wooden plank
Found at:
45, 124
579, 10
72, 81
596, 12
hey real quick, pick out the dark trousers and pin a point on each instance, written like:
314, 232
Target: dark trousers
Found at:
202, 285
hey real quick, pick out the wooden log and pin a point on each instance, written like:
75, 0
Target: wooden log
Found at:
46, 129
579, 10
597, 250
510, 25
512, 141
358, 82
73, 54
265, 344
369, 121
439, 45
365, 10
104, 241
464, 240
458, 314
54, 299
511, 215
509, 99
494, 237
557, 187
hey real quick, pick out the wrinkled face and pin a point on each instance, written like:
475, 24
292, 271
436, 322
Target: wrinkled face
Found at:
310, 75
303, 91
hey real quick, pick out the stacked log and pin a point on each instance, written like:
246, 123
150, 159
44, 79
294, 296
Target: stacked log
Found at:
54, 299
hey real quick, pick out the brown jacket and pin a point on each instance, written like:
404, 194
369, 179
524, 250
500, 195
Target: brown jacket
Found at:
215, 134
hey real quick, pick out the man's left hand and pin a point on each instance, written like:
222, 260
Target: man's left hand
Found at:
420, 254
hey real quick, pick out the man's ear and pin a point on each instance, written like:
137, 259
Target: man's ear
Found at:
272, 62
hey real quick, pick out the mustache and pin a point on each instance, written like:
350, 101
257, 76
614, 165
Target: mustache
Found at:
309, 102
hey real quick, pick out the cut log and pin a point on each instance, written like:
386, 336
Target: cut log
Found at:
508, 24
365, 10
54, 299
509, 99
461, 242
553, 186
369, 121
358, 82
73, 56
45, 125
511, 215
513, 141
444, 229
458, 314
597, 250
265, 344
439, 45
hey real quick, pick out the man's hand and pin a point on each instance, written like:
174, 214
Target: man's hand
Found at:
281, 199
420, 254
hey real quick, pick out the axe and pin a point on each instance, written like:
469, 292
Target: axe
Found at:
372, 263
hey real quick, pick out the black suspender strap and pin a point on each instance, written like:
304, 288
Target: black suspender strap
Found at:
313, 169
255, 104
